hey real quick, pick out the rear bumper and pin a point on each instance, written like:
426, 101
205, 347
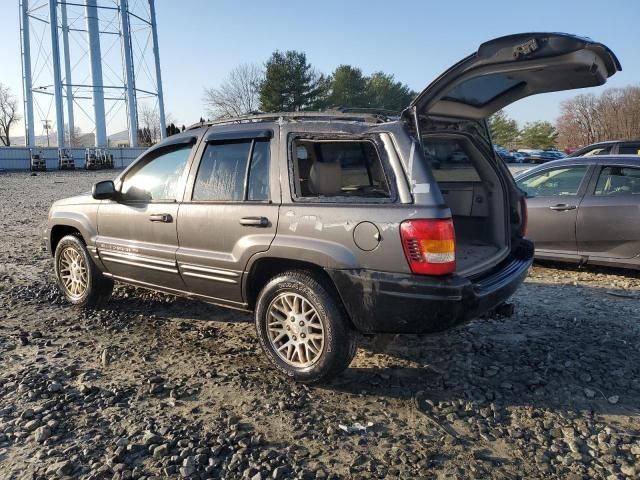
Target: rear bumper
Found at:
383, 302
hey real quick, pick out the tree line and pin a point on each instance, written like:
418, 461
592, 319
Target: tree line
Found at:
506, 133
289, 83
589, 118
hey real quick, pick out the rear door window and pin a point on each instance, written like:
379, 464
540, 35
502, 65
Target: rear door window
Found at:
233, 171
618, 181
337, 169
629, 149
554, 182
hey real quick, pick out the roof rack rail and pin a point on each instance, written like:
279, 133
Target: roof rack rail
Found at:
357, 115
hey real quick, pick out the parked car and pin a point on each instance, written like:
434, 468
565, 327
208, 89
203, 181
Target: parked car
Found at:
505, 154
531, 155
519, 157
65, 160
609, 148
38, 162
585, 210
549, 156
326, 225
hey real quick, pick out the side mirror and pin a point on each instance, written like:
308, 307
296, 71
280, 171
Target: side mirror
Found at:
104, 190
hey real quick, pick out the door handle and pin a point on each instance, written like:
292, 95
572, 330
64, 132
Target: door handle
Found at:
161, 217
261, 222
561, 207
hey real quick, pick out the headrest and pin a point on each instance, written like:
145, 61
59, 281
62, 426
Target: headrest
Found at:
325, 178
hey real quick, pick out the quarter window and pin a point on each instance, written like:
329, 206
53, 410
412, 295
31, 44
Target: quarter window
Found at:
223, 169
159, 178
618, 181
338, 168
556, 182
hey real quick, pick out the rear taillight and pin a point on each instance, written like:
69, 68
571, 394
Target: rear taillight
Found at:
524, 216
430, 246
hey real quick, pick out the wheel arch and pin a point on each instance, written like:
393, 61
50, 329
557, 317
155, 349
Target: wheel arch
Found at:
265, 268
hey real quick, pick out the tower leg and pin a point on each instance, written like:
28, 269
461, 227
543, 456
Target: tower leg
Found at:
95, 57
30, 135
132, 108
57, 80
67, 72
156, 55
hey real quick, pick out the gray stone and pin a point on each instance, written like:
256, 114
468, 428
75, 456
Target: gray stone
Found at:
151, 438
42, 434
161, 451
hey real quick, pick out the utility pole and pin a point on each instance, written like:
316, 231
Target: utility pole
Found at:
46, 125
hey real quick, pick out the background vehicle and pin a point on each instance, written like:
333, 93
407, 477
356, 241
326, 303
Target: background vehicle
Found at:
531, 155
38, 162
585, 210
519, 157
65, 160
327, 225
608, 148
505, 154
550, 155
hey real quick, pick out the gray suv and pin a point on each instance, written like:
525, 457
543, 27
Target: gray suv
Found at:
326, 225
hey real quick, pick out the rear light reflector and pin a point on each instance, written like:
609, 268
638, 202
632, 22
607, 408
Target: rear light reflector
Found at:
429, 245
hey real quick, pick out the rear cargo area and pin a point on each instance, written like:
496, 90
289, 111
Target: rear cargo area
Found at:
474, 193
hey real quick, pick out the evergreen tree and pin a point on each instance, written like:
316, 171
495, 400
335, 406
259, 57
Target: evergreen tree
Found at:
383, 91
504, 130
290, 83
538, 135
347, 88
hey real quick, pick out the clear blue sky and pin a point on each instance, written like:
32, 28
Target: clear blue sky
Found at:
201, 40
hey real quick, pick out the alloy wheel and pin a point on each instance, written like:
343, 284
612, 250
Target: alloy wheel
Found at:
295, 330
73, 273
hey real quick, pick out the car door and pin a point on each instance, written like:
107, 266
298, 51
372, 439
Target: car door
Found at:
137, 237
553, 200
230, 211
608, 224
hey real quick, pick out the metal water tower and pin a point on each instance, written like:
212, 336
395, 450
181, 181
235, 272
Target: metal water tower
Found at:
93, 63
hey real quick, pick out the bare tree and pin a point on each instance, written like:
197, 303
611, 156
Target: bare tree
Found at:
149, 123
8, 113
238, 94
614, 115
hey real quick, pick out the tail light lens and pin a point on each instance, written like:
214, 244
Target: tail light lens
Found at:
429, 245
524, 216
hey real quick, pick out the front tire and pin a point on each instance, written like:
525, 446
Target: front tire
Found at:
77, 275
303, 328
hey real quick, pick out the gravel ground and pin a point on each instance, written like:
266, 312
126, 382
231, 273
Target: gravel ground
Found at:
150, 387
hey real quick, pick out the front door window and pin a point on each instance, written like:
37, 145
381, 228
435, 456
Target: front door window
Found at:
157, 179
556, 182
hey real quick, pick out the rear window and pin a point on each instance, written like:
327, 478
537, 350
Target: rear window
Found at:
479, 91
338, 168
449, 161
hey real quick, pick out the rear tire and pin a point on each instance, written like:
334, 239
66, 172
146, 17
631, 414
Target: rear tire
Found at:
77, 275
303, 328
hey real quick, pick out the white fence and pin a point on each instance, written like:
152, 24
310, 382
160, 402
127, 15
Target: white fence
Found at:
19, 158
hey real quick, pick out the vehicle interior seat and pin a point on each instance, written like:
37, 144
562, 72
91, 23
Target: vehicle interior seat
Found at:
619, 185
325, 178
